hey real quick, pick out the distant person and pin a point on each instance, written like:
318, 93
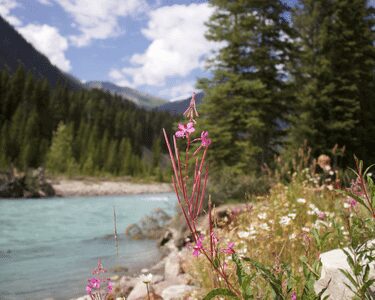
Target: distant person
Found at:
327, 176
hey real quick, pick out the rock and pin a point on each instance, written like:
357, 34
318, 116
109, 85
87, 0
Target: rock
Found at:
127, 284
168, 235
134, 232
172, 266
332, 262
140, 291
175, 292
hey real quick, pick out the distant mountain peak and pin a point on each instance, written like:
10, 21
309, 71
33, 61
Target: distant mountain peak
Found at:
177, 107
138, 97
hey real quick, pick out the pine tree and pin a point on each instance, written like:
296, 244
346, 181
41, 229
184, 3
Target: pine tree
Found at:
60, 157
245, 100
334, 76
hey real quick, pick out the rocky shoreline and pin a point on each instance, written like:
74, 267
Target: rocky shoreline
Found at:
169, 281
71, 188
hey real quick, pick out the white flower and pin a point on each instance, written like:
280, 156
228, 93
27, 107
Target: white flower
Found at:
264, 226
252, 230
146, 279
243, 234
292, 215
285, 220
346, 205
306, 229
262, 216
301, 200
292, 236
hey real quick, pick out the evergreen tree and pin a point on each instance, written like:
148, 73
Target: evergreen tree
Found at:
334, 76
60, 157
245, 100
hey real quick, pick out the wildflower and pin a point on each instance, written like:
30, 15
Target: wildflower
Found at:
285, 220
198, 247
264, 226
301, 200
88, 289
185, 130
204, 139
294, 296
94, 283
292, 236
262, 216
215, 240
99, 269
110, 286
146, 279
322, 215
191, 111
243, 234
229, 249
352, 203
306, 229
292, 215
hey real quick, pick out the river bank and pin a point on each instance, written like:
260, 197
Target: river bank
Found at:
87, 187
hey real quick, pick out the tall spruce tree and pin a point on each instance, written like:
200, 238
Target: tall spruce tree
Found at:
334, 75
246, 99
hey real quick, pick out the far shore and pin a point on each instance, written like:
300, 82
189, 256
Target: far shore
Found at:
86, 187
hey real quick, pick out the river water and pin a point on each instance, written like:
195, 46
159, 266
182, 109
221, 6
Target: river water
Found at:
48, 247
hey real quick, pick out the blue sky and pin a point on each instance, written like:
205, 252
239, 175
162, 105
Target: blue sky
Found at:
156, 46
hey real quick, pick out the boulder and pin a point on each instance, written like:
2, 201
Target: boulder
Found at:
172, 266
332, 262
176, 292
140, 290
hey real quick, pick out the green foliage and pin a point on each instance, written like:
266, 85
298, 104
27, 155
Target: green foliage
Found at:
102, 135
245, 101
333, 72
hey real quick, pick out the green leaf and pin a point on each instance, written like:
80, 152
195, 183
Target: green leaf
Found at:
220, 292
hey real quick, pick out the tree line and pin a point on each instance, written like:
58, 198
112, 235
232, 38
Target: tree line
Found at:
289, 74
86, 132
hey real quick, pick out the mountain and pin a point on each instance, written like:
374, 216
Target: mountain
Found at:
15, 51
179, 106
139, 98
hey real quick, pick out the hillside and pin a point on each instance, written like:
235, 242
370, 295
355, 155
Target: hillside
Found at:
15, 50
178, 107
139, 98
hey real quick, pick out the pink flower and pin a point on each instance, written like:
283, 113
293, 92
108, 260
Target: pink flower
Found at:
352, 202
110, 286
185, 130
94, 283
88, 289
99, 269
198, 247
215, 240
294, 296
321, 215
204, 139
229, 249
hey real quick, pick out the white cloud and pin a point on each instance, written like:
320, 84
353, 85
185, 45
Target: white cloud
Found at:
98, 19
179, 91
177, 47
45, 2
48, 41
6, 6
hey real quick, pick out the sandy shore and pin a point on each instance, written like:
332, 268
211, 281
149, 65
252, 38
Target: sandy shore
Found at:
67, 188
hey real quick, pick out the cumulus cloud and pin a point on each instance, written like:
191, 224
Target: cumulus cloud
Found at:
99, 19
179, 91
177, 45
48, 41
6, 6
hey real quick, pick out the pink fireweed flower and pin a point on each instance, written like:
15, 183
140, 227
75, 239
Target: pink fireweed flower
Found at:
94, 283
352, 203
229, 249
185, 130
109, 286
99, 269
198, 247
88, 289
191, 111
205, 141
215, 240
294, 296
